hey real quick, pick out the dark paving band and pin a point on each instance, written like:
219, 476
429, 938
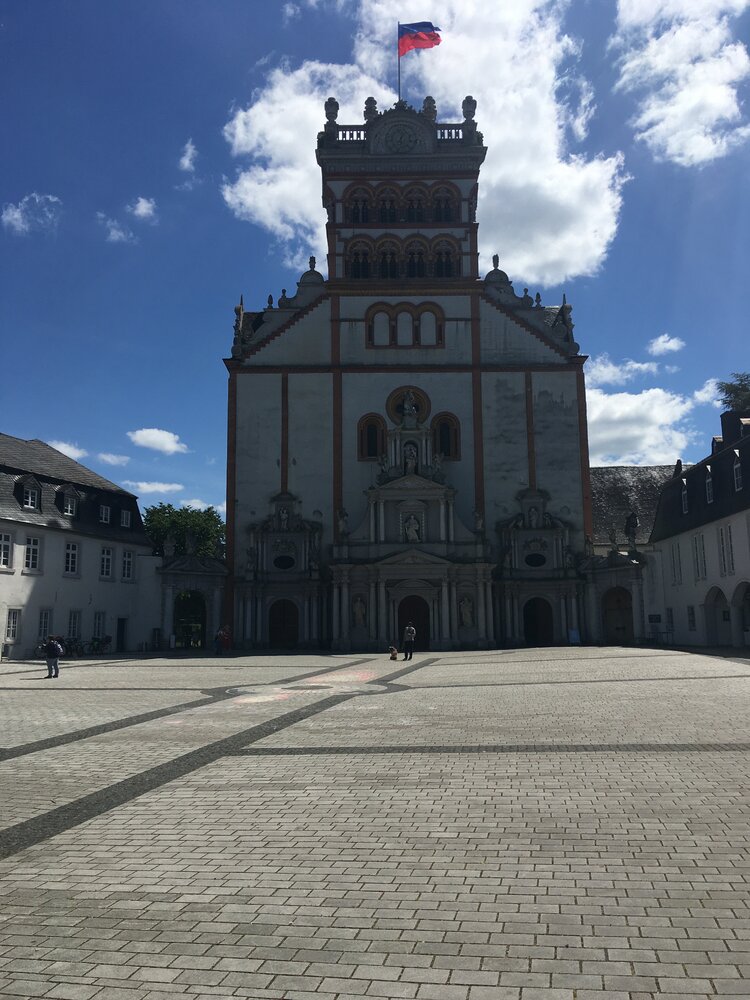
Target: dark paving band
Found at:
497, 748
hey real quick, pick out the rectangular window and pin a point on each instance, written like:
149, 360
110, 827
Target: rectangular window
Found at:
709, 489
100, 624
124, 518
71, 557
74, 625
699, 557
127, 565
105, 566
13, 624
105, 514
31, 557
684, 500
676, 563
737, 476
691, 617
30, 498
670, 619
726, 550
6, 551
70, 506
45, 623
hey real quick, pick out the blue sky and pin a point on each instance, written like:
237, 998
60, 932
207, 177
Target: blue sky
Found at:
159, 161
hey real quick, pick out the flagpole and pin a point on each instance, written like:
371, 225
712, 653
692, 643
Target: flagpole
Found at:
398, 57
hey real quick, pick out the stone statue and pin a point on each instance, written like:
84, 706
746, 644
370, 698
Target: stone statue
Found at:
312, 262
284, 518
495, 261
466, 612
429, 108
371, 109
383, 463
343, 521
410, 458
469, 108
533, 517
631, 527
359, 611
250, 555
331, 109
478, 520
409, 404
437, 463
527, 302
411, 529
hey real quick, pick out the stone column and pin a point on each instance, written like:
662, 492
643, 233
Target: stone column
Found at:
371, 615
444, 612
382, 613
336, 615
442, 521
453, 610
381, 505
450, 520
481, 616
346, 610
314, 616
490, 612
738, 631
516, 612
563, 619
373, 536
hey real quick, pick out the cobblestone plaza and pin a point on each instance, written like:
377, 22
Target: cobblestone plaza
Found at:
557, 824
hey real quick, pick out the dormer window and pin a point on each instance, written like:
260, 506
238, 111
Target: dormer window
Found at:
709, 487
105, 514
737, 474
30, 498
124, 518
70, 505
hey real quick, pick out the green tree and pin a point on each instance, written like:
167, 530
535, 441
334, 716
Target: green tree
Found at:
735, 395
200, 531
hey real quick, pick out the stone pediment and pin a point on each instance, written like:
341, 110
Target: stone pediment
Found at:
416, 485
412, 557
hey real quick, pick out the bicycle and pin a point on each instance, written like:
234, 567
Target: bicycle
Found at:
73, 647
99, 644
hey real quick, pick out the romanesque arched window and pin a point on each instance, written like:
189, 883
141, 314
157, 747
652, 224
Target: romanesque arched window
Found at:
371, 438
446, 260
358, 206
446, 436
387, 262
414, 205
387, 206
444, 206
359, 261
416, 260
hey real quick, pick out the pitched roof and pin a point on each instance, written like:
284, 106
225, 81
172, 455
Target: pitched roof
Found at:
43, 460
616, 490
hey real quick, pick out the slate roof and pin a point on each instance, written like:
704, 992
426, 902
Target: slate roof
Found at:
43, 460
616, 490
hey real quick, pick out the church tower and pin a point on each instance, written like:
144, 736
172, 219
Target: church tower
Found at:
407, 441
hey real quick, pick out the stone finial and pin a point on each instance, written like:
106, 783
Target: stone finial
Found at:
311, 262
270, 301
469, 108
371, 109
429, 108
495, 261
538, 301
332, 109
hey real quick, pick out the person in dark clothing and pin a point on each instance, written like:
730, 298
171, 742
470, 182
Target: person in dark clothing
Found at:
53, 652
410, 634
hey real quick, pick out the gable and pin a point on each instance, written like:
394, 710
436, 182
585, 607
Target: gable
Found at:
303, 338
508, 340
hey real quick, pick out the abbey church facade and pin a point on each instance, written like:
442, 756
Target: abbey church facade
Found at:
407, 439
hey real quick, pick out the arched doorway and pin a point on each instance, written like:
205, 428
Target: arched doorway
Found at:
414, 609
538, 626
617, 617
283, 625
190, 620
741, 622
718, 618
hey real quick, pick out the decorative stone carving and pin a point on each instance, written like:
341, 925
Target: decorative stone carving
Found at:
469, 108
466, 612
331, 109
429, 109
359, 612
371, 109
410, 458
411, 529
343, 522
400, 139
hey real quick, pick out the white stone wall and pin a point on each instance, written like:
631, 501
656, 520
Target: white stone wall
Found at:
558, 447
505, 443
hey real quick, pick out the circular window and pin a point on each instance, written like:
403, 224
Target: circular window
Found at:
283, 562
395, 403
535, 560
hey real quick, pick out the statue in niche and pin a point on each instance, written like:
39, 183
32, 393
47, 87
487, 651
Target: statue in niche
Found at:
410, 458
437, 463
533, 517
466, 612
343, 522
359, 611
409, 405
383, 463
250, 556
478, 520
284, 518
411, 529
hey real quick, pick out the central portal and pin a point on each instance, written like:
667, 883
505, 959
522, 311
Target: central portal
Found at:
414, 609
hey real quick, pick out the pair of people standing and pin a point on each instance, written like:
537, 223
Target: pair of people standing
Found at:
53, 650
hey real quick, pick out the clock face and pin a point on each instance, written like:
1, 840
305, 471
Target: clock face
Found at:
400, 139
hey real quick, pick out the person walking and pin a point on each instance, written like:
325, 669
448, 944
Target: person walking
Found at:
53, 651
410, 634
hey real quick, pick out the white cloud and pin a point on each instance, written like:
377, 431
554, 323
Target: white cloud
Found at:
604, 371
664, 344
708, 393
116, 232
551, 212
34, 213
203, 505
71, 450
289, 11
155, 487
188, 157
143, 209
109, 459
644, 428
158, 440
682, 59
